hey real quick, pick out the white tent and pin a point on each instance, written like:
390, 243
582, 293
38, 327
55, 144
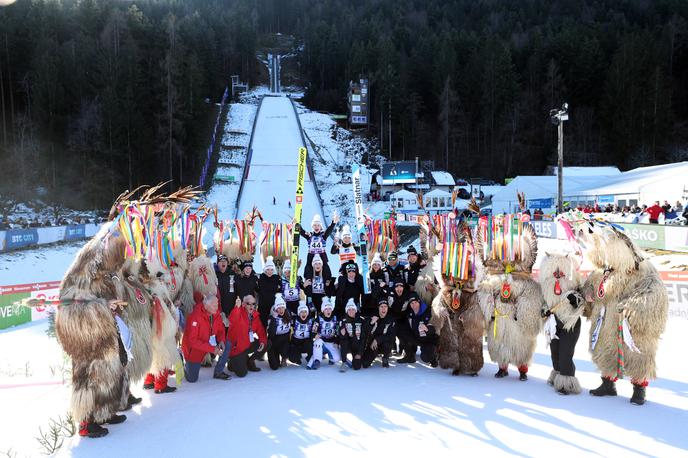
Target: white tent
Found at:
638, 186
437, 199
442, 178
404, 199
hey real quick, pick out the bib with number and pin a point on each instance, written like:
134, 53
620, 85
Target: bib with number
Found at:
316, 245
328, 328
290, 294
302, 330
318, 285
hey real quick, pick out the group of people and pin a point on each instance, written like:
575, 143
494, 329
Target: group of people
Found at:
320, 316
138, 313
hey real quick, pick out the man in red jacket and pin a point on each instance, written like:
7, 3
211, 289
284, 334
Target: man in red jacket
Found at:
204, 333
654, 212
246, 336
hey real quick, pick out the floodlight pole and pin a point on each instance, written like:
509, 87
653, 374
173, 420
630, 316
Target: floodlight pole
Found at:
560, 168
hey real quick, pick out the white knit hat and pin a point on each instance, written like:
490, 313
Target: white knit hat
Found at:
269, 264
287, 265
326, 304
301, 308
346, 231
350, 305
316, 259
316, 219
279, 301
376, 259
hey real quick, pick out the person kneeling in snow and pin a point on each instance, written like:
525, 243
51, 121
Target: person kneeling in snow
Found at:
420, 332
326, 340
379, 336
279, 328
204, 333
305, 329
351, 337
246, 336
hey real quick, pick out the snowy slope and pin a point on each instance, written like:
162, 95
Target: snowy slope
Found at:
272, 171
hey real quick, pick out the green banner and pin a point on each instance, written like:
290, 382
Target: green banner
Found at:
11, 314
645, 235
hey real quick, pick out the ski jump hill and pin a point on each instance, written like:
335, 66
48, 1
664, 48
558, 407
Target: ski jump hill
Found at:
271, 167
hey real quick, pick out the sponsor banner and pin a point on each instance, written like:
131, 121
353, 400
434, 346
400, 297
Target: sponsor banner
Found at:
75, 232
676, 238
39, 313
540, 203
609, 199
12, 314
546, 229
29, 287
645, 235
18, 238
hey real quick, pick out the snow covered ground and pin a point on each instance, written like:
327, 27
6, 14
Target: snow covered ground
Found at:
402, 411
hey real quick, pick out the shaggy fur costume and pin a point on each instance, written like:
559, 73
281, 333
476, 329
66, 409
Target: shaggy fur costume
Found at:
558, 279
87, 331
512, 324
462, 323
634, 286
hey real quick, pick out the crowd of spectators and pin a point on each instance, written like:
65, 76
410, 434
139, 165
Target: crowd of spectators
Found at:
26, 223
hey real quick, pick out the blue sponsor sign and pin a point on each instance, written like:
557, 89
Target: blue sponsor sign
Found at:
605, 199
18, 238
75, 232
541, 203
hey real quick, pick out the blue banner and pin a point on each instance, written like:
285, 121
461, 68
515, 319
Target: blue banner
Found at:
18, 238
75, 232
605, 200
541, 203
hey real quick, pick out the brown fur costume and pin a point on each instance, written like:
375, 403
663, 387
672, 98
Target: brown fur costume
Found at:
460, 322
512, 325
633, 286
87, 330
559, 274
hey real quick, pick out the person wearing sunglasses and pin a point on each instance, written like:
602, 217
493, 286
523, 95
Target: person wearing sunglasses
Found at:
247, 337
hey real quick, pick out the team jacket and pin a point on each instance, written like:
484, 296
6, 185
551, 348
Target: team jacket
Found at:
382, 330
352, 329
200, 326
423, 316
240, 324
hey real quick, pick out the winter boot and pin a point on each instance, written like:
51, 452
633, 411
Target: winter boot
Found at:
343, 366
221, 376
523, 373
434, 362
149, 382
116, 419
385, 362
409, 356
133, 400
90, 429
167, 389
252, 365
608, 388
638, 394
502, 372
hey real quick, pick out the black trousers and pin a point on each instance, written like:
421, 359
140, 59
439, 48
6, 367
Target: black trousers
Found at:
562, 349
348, 345
239, 363
298, 347
278, 350
369, 354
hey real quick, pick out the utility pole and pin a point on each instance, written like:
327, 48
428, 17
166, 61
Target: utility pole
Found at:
558, 116
389, 121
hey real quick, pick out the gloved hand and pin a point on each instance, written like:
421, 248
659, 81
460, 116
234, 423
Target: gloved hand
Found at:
545, 312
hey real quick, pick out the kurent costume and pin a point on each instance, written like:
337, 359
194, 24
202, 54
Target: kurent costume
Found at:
627, 306
509, 298
109, 348
559, 282
461, 324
